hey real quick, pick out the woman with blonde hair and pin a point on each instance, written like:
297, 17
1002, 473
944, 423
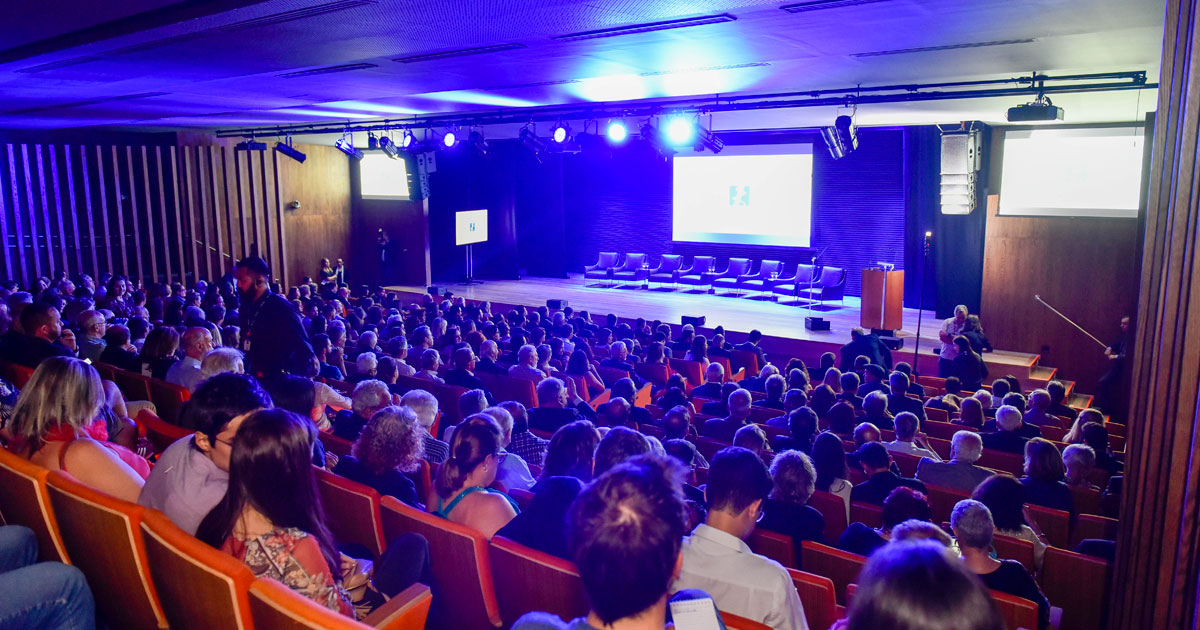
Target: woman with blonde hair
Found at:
833, 379
49, 423
391, 444
460, 492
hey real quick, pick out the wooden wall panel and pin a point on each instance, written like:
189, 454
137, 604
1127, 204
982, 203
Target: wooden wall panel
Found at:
320, 228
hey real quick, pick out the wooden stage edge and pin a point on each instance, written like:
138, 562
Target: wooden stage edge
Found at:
738, 314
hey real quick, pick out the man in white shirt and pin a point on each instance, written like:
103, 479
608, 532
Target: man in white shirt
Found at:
513, 471
526, 367
908, 440
951, 328
717, 560
186, 373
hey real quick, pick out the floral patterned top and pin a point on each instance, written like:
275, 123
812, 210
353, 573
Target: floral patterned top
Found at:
292, 557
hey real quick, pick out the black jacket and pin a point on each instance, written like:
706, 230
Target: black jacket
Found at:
273, 338
869, 346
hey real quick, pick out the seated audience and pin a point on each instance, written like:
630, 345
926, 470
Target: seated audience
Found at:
388, 450
899, 401
752, 438
221, 361
91, 341
873, 376
425, 405
717, 560
366, 366
1004, 497
118, 350
461, 493
186, 373
542, 525
40, 595
971, 412
1039, 409
960, 473
572, 452
513, 471
368, 397
759, 383
1058, 393
786, 510
158, 353
833, 380
489, 352
524, 443
1080, 461
902, 504
323, 348
50, 427
723, 429
1007, 435
1096, 436
827, 360
526, 366
44, 337
967, 365
775, 387
973, 528
618, 445
624, 533
558, 405
1089, 415
829, 459
626, 389
1045, 476
881, 480
578, 365
919, 586
875, 405
430, 362
912, 529
463, 374
802, 427
908, 440
714, 376
850, 385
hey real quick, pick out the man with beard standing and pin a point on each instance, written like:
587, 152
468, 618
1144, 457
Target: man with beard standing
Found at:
273, 337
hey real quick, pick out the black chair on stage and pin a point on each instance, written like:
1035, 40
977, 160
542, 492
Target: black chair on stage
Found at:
738, 269
759, 281
633, 270
790, 286
603, 268
830, 286
695, 275
667, 269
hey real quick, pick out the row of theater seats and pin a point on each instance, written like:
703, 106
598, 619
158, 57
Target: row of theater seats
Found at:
145, 573
823, 283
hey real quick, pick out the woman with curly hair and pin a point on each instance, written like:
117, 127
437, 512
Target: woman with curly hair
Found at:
390, 445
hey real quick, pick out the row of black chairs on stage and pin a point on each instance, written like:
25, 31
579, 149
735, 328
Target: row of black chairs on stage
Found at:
807, 282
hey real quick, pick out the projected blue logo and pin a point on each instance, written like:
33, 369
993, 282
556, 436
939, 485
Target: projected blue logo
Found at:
472, 228
739, 195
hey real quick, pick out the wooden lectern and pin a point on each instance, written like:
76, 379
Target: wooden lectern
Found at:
882, 299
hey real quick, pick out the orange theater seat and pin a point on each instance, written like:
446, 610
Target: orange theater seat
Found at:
1055, 524
842, 567
461, 568
168, 399
734, 622
942, 502
334, 444
200, 588
528, 580
160, 434
818, 597
103, 537
274, 606
833, 508
866, 513
1093, 526
351, 511
1017, 612
692, 371
1079, 585
24, 501
133, 385
1018, 549
776, 546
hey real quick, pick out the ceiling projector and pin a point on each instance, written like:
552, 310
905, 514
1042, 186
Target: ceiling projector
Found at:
1041, 110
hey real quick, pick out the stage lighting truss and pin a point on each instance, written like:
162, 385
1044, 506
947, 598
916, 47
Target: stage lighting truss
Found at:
706, 139
345, 144
285, 147
250, 145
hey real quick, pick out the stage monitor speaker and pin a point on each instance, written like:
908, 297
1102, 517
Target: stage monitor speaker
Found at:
556, 304
893, 343
816, 323
434, 290
883, 332
695, 320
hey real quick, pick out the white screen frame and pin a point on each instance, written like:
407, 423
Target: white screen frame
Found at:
462, 219
381, 177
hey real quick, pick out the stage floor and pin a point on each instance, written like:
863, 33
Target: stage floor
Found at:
740, 314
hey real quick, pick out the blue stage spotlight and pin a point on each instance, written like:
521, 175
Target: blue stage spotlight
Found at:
560, 133
449, 139
345, 144
407, 140
617, 131
681, 131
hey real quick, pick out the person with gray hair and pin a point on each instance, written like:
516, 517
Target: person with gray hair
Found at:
724, 429
430, 362
973, 527
186, 373
91, 338
512, 471
714, 377
368, 397
1080, 461
909, 440
1039, 409
951, 328
528, 446
775, 386
875, 405
489, 352
1006, 435
558, 405
526, 367
786, 510
960, 473
365, 367
425, 405
220, 361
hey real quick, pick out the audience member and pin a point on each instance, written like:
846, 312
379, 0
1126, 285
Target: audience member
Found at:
186, 373
802, 426
558, 405
899, 401
40, 595
526, 366
44, 337
158, 353
968, 366
389, 450
273, 336
865, 344
221, 361
513, 471
723, 429
829, 458
368, 397
960, 473
542, 525
1004, 497
1006, 436
900, 505
526, 445
881, 480
118, 350
617, 445
431, 361
572, 452
461, 493
425, 405
909, 440
714, 376
786, 510
973, 527
1058, 394
873, 376
952, 327
91, 338
1080, 461
1096, 436
971, 412
774, 387
1045, 476
875, 405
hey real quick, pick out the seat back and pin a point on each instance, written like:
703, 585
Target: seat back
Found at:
103, 537
1055, 524
832, 276
818, 597
504, 387
669, 262
274, 606
633, 262
1087, 501
1093, 526
1012, 548
20, 375
200, 588
745, 359
1016, 612
528, 580
460, 567
935, 414
1010, 463
769, 267
805, 273
168, 398
866, 513
700, 264
842, 567
656, 374
833, 508
907, 463
1079, 585
133, 385
776, 546
735, 622
942, 501
351, 511
160, 434
337, 445
24, 501
105, 370
737, 267
690, 370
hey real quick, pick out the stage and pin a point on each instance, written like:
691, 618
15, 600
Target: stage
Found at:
782, 324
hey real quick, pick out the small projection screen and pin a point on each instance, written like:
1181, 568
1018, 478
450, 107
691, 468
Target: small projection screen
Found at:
470, 226
747, 195
1085, 172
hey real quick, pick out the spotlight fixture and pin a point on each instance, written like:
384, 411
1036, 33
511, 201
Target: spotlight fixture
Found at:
388, 146
530, 139
372, 141
408, 139
706, 139
617, 132
478, 142
345, 144
680, 131
250, 145
654, 138
449, 139
560, 132
841, 138
285, 147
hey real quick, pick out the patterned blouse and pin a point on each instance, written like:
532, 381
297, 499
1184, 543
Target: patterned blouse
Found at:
292, 557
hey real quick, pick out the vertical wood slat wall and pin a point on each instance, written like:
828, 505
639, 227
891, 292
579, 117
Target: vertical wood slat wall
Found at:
159, 213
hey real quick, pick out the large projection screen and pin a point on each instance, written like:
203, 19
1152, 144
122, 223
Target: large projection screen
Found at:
470, 226
1086, 172
751, 195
